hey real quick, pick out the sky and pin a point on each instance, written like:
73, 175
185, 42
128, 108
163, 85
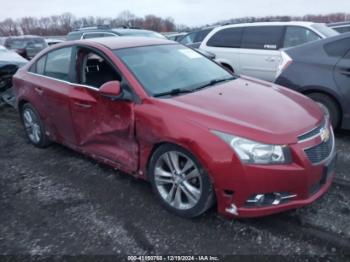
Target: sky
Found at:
188, 12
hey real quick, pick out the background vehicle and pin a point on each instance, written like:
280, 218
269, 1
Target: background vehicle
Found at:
27, 45
105, 31
194, 39
341, 27
176, 37
181, 121
10, 61
253, 49
321, 70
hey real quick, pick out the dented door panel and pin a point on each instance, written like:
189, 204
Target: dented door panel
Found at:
105, 128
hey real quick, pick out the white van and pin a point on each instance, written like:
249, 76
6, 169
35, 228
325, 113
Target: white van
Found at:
253, 49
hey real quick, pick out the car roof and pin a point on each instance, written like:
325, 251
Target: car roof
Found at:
111, 30
126, 42
299, 23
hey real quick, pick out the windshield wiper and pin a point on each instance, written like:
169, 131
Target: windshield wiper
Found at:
215, 81
178, 91
174, 92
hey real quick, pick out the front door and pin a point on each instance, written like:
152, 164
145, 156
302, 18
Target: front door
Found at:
104, 128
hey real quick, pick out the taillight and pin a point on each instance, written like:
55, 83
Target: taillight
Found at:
286, 61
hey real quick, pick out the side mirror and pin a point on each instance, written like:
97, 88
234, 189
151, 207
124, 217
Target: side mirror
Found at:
111, 90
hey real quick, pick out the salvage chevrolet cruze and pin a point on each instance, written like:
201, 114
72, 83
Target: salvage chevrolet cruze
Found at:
163, 112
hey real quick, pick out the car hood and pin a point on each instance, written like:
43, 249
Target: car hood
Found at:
251, 108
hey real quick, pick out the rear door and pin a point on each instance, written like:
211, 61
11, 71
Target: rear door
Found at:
52, 85
259, 53
104, 128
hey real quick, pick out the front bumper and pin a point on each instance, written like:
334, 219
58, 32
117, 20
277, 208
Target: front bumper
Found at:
305, 181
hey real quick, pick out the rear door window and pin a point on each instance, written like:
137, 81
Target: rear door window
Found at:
230, 37
262, 37
297, 35
40, 65
338, 48
58, 63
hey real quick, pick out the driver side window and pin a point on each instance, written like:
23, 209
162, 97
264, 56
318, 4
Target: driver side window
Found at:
93, 69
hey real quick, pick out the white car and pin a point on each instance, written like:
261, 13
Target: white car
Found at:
253, 49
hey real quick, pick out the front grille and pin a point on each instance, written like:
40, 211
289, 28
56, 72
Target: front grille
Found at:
320, 152
313, 132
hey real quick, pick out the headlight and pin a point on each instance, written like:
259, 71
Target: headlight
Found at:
254, 152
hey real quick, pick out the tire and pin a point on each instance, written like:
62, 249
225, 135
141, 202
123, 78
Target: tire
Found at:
180, 182
330, 105
33, 126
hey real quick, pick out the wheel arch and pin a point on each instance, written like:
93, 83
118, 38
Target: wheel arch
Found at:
21, 103
321, 90
184, 145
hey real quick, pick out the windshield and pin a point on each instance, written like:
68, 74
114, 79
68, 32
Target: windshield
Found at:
164, 68
325, 30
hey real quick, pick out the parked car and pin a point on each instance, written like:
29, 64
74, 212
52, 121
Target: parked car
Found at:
253, 49
321, 70
103, 31
342, 27
53, 41
198, 133
176, 37
10, 61
27, 45
194, 39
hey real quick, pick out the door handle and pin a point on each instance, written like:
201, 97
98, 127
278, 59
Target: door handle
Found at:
39, 90
83, 105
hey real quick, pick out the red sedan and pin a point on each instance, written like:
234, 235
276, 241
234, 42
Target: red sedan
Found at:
163, 112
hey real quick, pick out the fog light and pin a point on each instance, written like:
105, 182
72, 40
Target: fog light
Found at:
270, 199
258, 199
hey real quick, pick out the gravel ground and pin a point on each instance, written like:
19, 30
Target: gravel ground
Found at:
57, 202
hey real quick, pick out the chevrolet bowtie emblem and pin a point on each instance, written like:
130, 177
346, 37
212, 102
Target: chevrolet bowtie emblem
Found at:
325, 134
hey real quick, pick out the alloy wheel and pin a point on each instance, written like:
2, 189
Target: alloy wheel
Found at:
32, 125
178, 180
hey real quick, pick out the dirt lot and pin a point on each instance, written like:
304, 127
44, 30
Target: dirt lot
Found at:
55, 202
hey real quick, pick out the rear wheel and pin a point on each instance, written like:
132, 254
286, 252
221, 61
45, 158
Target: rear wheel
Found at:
331, 107
34, 127
180, 182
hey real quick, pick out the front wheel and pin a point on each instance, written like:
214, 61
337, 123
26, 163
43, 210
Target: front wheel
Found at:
180, 182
